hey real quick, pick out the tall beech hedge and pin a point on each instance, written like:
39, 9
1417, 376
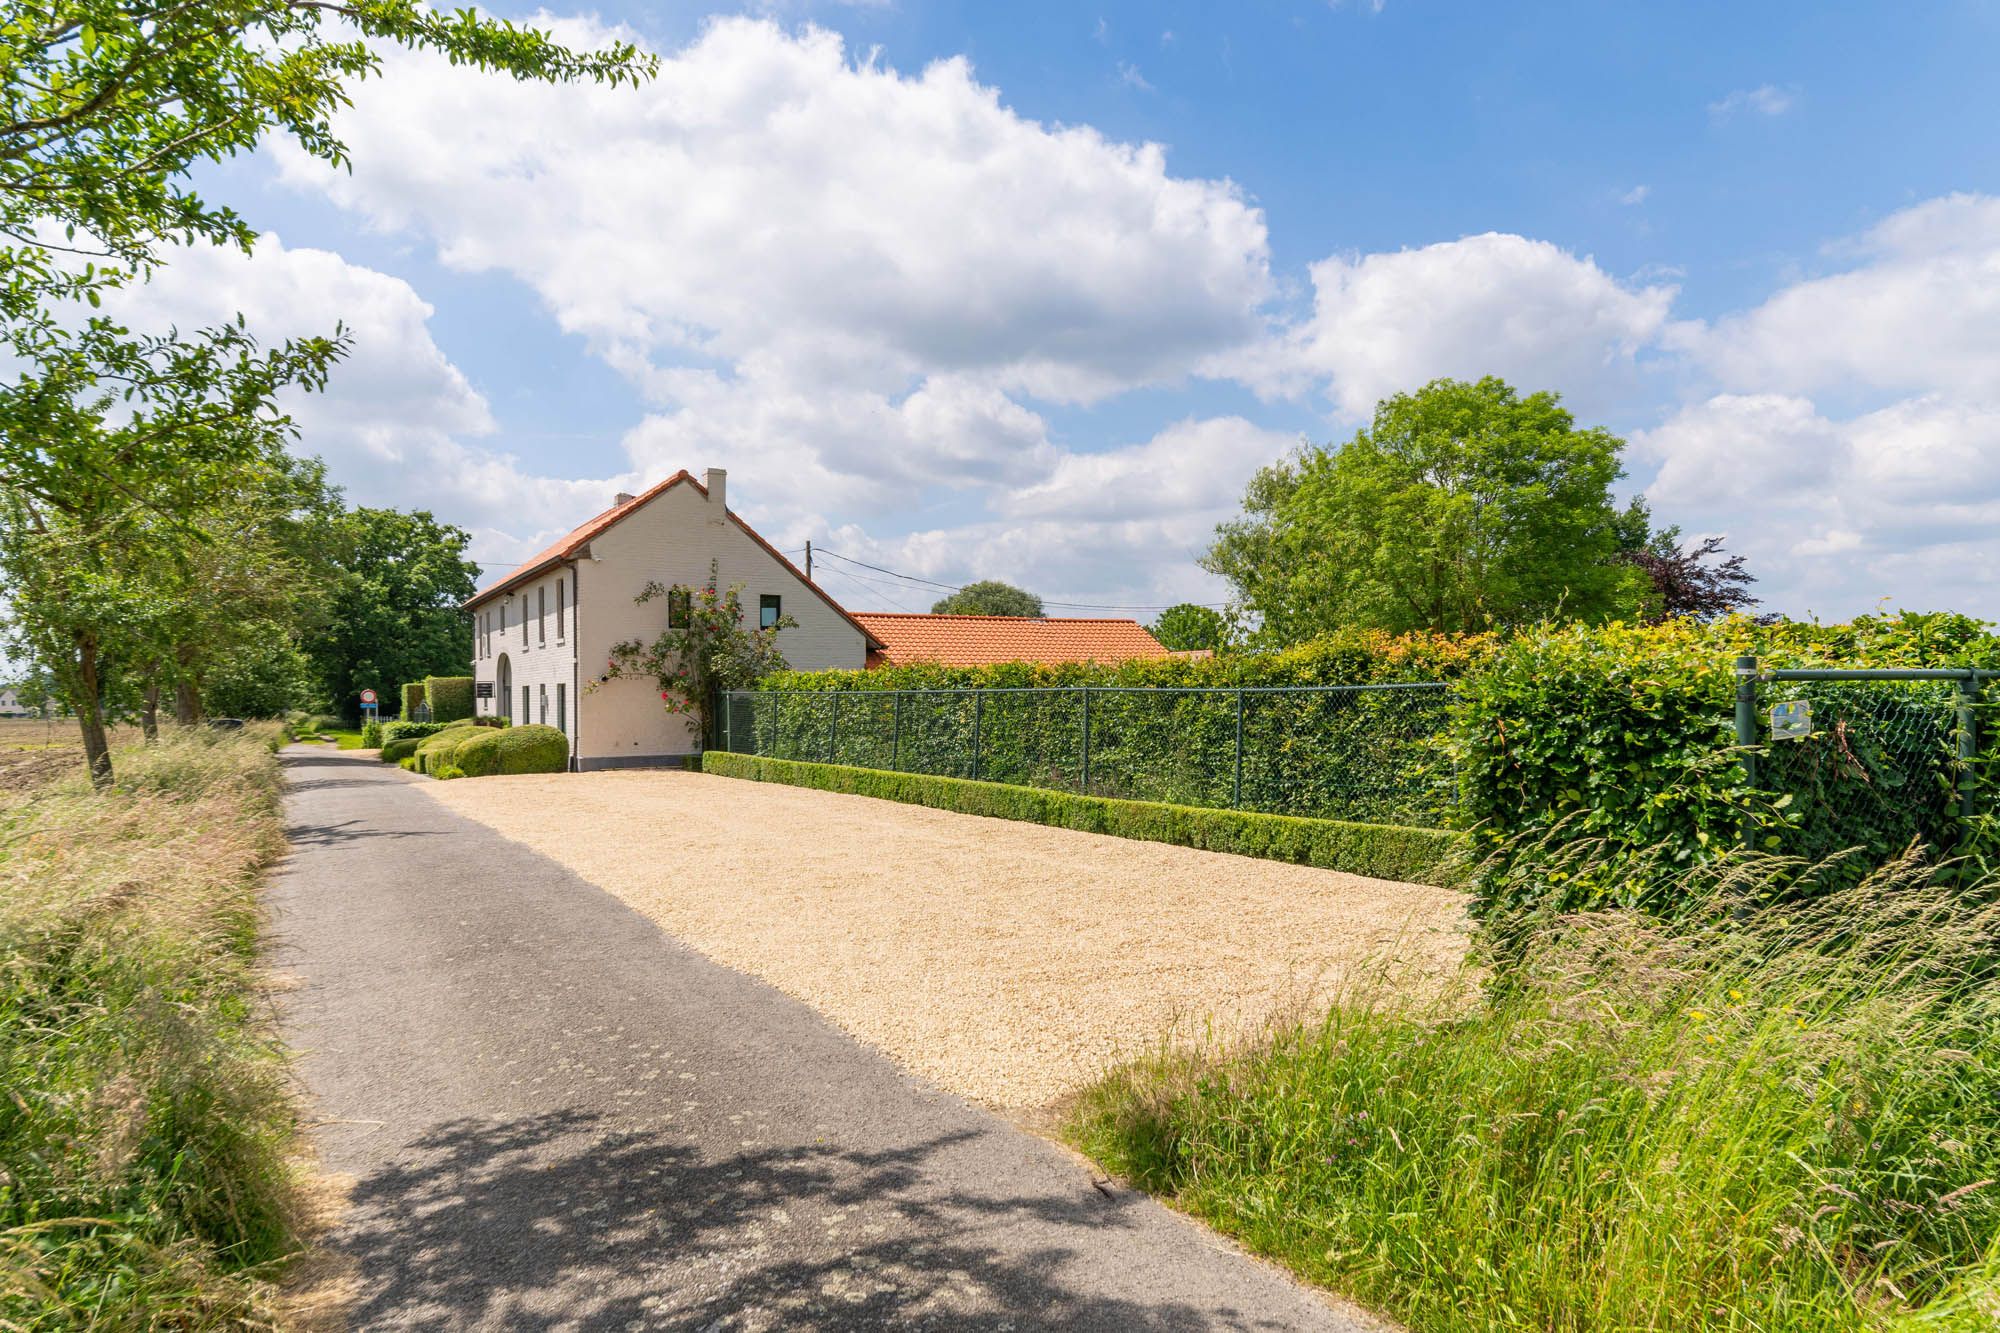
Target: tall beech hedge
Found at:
1376, 757
1618, 733
1625, 734
413, 698
450, 697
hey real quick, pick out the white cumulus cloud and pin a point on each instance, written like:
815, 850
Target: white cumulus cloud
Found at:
1493, 304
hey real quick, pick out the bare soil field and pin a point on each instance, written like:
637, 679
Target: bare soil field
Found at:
1004, 961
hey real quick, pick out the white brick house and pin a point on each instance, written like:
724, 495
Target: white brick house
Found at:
543, 634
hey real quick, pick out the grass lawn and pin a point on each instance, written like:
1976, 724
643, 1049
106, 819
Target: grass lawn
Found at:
1780, 1124
342, 739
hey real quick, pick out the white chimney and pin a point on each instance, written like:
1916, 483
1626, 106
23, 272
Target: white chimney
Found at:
718, 496
622, 498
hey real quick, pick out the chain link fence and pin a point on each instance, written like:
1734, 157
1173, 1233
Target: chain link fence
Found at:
1375, 753
1867, 759
1873, 759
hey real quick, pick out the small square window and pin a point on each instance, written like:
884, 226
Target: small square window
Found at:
769, 608
680, 608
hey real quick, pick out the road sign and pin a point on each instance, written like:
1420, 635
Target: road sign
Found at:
368, 696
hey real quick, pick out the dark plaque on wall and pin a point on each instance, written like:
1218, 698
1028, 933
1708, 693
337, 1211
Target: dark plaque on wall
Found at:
483, 690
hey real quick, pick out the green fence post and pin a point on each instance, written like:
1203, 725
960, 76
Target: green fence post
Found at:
1236, 784
896, 734
978, 712
1968, 742
1746, 734
1083, 778
728, 711
833, 732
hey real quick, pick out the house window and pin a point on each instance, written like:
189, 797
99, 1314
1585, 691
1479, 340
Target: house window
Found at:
680, 608
562, 700
542, 614
559, 619
525, 714
769, 608
542, 697
524, 620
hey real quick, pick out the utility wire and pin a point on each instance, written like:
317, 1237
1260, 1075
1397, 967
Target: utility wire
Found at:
953, 587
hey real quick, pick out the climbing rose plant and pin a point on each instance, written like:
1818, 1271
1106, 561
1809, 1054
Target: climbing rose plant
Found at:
717, 649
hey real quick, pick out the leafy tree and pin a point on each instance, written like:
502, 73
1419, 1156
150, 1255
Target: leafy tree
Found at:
1684, 583
393, 585
106, 106
1462, 507
1189, 627
989, 597
715, 650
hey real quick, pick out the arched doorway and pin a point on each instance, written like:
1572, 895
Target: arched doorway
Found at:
504, 690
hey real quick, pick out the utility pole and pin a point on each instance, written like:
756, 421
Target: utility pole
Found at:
809, 560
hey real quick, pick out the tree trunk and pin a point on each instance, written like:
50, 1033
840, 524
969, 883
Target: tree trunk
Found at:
149, 720
90, 712
187, 694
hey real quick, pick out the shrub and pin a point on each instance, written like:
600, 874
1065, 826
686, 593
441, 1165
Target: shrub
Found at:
440, 746
1780, 1122
1369, 756
450, 697
1422, 856
1624, 736
395, 731
371, 735
413, 698
524, 749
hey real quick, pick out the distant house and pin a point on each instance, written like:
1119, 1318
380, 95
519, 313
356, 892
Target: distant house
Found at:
544, 633
965, 641
11, 705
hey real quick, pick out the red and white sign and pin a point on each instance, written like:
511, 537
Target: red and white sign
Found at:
368, 696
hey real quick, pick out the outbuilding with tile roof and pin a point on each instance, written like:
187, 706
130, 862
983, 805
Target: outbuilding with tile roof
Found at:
964, 641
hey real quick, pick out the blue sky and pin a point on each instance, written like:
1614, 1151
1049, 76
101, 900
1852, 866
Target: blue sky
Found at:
957, 319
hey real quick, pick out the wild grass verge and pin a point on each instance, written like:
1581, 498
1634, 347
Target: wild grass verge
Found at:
146, 1118
1782, 1120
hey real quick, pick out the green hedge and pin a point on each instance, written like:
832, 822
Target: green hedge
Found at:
526, 749
1624, 736
441, 747
450, 697
371, 735
413, 696
1423, 856
1369, 756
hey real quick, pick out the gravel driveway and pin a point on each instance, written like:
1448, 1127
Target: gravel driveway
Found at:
1004, 961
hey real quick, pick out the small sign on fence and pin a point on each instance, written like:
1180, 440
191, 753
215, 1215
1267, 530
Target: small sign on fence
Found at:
1791, 720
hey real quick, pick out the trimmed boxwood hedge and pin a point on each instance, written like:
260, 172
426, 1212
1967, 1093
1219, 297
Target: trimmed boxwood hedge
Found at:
438, 747
1386, 851
528, 749
450, 697
413, 695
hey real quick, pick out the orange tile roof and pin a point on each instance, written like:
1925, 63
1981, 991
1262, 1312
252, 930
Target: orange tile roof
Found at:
984, 640
571, 544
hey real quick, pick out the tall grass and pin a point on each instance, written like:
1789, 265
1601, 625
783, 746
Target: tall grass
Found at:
145, 1119
1776, 1120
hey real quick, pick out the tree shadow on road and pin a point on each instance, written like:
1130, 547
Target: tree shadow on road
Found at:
348, 831
554, 1219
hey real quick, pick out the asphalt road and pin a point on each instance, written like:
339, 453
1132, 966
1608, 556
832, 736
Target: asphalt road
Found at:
558, 1117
